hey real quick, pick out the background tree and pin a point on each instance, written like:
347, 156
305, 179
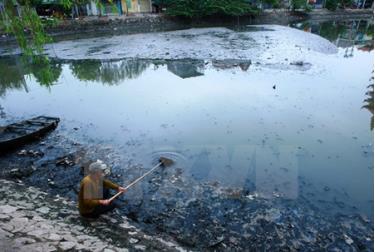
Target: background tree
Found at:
300, 4
201, 8
20, 19
273, 3
161, 4
331, 4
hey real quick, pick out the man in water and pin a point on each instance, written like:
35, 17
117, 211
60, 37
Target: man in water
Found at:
94, 192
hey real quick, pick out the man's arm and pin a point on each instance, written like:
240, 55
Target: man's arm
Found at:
108, 184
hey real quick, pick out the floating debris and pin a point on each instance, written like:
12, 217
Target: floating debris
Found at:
252, 196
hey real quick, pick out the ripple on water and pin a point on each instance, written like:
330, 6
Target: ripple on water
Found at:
178, 158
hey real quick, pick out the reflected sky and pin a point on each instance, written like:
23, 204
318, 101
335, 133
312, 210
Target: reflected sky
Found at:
281, 132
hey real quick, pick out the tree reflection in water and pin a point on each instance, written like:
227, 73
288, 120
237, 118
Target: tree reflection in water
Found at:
108, 72
86, 70
345, 34
369, 101
46, 72
14, 70
12, 75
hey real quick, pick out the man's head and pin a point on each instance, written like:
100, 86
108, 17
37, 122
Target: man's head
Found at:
97, 169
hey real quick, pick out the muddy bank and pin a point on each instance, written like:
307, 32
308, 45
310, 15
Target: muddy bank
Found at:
261, 45
117, 25
175, 208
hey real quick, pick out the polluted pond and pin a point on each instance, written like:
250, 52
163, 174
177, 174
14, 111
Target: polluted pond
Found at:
270, 130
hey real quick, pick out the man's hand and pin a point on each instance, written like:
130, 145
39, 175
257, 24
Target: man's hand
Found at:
121, 189
105, 202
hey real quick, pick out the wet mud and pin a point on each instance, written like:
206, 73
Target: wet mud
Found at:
203, 215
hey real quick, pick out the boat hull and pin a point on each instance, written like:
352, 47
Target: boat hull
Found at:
16, 135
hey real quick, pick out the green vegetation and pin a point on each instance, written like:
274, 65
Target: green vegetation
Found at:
108, 72
300, 4
11, 75
22, 21
44, 71
346, 3
332, 31
87, 70
369, 101
331, 4
14, 70
201, 8
273, 3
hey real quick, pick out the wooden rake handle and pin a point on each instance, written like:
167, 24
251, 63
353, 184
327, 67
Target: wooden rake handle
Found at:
135, 182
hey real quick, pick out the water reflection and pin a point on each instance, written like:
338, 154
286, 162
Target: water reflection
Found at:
227, 64
108, 72
45, 72
369, 101
12, 75
86, 70
345, 34
15, 70
186, 68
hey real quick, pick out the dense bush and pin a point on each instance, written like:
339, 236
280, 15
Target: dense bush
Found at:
300, 4
331, 4
346, 3
201, 8
273, 3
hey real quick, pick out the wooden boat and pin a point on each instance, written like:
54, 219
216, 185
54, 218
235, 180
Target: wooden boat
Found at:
17, 134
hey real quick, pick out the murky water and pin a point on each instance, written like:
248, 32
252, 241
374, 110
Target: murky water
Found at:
301, 134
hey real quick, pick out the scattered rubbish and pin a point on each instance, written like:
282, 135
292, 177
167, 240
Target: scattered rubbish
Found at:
348, 240
297, 63
30, 153
252, 196
65, 161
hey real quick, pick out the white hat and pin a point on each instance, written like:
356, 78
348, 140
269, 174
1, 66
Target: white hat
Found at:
98, 166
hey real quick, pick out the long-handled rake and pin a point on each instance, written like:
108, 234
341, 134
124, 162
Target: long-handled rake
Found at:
163, 161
